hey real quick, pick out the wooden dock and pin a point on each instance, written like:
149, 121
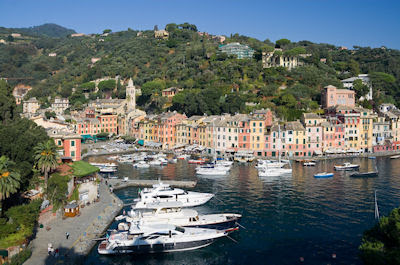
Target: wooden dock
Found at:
120, 183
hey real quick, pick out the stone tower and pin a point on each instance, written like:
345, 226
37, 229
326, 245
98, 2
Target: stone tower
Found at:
131, 96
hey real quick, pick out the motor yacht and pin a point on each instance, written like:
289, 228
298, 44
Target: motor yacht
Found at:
161, 193
173, 213
346, 167
141, 239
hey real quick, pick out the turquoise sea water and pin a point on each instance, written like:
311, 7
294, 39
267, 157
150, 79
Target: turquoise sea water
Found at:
285, 217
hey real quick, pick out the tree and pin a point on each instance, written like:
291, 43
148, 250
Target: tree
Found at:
46, 158
9, 179
282, 42
8, 108
10, 38
360, 88
380, 244
57, 190
107, 31
107, 85
49, 115
353, 67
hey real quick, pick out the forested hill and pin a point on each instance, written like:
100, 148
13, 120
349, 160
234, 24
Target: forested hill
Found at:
211, 82
48, 30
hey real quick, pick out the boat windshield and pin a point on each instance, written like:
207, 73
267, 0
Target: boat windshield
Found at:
180, 229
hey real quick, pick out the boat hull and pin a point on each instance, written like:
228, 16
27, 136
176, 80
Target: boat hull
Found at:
347, 168
155, 248
322, 176
364, 175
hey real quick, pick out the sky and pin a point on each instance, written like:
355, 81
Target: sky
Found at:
373, 23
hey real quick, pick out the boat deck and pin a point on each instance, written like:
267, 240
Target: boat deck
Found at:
120, 183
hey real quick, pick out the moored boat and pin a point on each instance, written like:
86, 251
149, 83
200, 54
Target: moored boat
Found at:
161, 193
158, 238
369, 174
141, 164
346, 167
323, 175
173, 213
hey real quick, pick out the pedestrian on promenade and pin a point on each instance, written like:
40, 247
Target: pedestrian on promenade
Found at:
66, 235
56, 255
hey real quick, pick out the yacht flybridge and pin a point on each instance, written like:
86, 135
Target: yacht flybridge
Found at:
172, 213
161, 193
158, 238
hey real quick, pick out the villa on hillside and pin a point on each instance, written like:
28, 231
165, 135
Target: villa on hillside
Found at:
239, 50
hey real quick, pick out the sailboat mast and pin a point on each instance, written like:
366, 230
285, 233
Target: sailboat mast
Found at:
376, 208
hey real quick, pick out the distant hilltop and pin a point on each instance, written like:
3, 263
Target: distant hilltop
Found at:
48, 29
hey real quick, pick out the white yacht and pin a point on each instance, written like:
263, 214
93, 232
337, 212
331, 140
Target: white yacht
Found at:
142, 239
173, 213
161, 193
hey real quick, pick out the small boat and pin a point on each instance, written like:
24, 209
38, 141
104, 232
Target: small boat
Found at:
372, 157
108, 170
141, 164
155, 162
142, 239
309, 164
274, 172
183, 157
369, 174
395, 157
269, 164
214, 171
346, 167
323, 175
196, 161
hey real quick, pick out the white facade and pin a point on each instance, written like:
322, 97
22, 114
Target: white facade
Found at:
349, 83
31, 106
131, 96
60, 105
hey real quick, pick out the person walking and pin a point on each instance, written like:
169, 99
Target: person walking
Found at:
66, 235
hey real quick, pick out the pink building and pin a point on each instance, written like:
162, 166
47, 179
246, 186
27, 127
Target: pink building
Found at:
328, 136
165, 128
331, 96
244, 134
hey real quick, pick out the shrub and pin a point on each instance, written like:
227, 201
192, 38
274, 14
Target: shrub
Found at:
21, 257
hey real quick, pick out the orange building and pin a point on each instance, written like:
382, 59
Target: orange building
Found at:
69, 144
109, 123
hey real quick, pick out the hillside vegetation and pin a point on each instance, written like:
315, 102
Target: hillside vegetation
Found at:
212, 82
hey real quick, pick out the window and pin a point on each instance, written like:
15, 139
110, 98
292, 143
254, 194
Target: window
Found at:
73, 153
72, 143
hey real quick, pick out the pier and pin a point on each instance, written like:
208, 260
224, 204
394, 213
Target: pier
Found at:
93, 222
120, 183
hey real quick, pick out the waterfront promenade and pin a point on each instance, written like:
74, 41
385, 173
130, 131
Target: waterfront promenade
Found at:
92, 222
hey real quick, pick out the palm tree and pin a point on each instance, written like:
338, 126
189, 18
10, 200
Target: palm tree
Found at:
9, 179
46, 158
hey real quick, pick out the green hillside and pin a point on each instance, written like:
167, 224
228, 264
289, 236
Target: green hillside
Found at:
212, 82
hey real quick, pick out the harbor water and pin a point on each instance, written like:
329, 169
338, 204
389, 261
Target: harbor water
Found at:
289, 220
